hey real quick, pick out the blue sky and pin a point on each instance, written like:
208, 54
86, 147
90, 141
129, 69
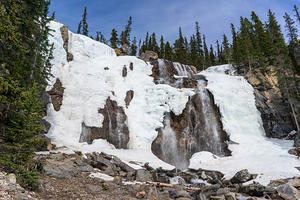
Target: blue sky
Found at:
165, 16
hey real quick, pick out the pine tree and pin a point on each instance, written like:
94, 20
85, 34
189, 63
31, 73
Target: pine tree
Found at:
297, 15
25, 56
125, 35
79, 27
235, 46
226, 48
85, 30
179, 48
262, 44
168, 52
212, 56
206, 54
219, 55
194, 51
294, 51
246, 46
133, 48
114, 39
162, 48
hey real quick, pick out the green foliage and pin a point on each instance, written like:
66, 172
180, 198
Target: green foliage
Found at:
25, 55
85, 25
114, 39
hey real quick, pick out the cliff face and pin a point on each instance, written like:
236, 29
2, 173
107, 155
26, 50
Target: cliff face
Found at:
275, 111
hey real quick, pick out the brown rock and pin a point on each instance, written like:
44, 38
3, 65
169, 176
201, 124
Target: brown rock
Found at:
124, 71
129, 97
65, 36
56, 94
149, 56
140, 195
114, 127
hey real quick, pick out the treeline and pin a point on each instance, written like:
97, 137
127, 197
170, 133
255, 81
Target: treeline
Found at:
25, 55
255, 46
253, 43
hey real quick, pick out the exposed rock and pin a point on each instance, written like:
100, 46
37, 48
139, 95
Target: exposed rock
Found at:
288, 192
61, 165
131, 66
110, 165
114, 127
10, 190
124, 71
45, 125
118, 52
143, 175
242, 176
46, 146
295, 151
106, 68
275, 111
65, 36
188, 133
164, 72
56, 94
254, 189
129, 97
125, 49
149, 56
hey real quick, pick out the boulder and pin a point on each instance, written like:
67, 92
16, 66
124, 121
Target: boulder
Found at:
242, 177
288, 192
61, 165
129, 97
143, 175
148, 56
65, 36
56, 94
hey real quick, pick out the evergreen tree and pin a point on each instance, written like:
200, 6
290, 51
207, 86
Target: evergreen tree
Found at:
294, 51
133, 48
297, 15
226, 48
262, 44
179, 48
125, 35
235, 46
194, 51
79, 27
206, 54
114, 39
85, 30
212, 56
162, 48
246, 46
219, 55
168, 52
25, 55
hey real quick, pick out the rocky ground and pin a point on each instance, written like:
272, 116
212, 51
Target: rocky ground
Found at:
101, 176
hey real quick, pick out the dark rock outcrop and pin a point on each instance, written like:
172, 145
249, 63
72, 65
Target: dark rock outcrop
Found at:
129, 97
65, 36
114, 128
198, 128
275, 111
242, 177
56, 94
164, 72
124, 71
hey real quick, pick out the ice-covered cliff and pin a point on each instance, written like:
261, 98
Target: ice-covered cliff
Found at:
149, 112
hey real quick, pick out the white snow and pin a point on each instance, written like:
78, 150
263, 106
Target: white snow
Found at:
87, 86
267, 157
101, 176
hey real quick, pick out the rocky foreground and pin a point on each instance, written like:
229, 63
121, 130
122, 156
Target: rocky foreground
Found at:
101, 176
